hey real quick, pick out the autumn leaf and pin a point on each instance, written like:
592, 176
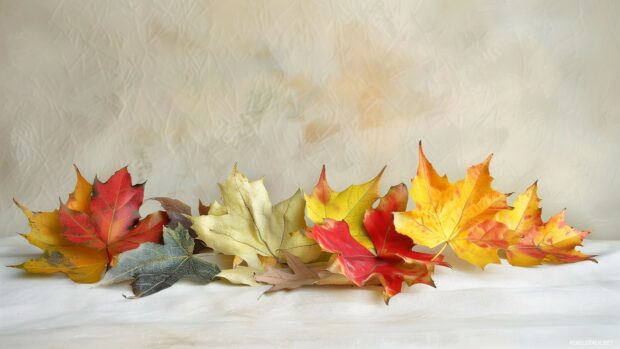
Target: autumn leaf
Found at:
80, 263
297, 274
301, 275
79, 200
533, 242
458, 215
360, 265
393, 262
247, 225
153, 267
348, 205
379, 225
177, 212
113, 222
203, 209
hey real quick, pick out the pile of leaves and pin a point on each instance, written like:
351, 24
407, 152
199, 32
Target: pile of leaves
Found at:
357, 236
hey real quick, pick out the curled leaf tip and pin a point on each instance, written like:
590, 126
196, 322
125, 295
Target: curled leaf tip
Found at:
381, 172
487, 161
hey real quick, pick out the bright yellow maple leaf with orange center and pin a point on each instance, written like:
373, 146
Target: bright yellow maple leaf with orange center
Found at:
459, 215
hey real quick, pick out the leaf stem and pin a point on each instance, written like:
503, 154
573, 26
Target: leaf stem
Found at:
440, 251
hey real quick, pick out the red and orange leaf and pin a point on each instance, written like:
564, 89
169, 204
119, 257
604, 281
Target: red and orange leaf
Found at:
79, 229
147, 230
359, 265
534, 242
115, 206
394, 261
113, 221
554, 242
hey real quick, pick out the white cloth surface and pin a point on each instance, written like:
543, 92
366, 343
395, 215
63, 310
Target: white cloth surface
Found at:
574, 305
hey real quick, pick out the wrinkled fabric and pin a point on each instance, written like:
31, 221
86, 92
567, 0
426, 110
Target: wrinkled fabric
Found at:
182, 90
544, 307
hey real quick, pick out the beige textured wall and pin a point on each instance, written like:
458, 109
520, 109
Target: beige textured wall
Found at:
181, 90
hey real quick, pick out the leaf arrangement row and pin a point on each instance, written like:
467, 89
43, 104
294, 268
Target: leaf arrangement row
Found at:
357, 237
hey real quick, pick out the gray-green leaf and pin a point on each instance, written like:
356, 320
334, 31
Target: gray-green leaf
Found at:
154, 267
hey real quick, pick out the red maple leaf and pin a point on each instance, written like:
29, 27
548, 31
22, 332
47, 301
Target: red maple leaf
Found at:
113, 221
394, 261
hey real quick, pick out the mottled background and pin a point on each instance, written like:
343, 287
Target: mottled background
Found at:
181, 90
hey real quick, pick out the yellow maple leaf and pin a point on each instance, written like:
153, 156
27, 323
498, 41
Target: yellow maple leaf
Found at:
81, 264
247, 225
348, 205
533, 242
459, 215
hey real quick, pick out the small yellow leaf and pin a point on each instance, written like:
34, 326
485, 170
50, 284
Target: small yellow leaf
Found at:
348, 205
